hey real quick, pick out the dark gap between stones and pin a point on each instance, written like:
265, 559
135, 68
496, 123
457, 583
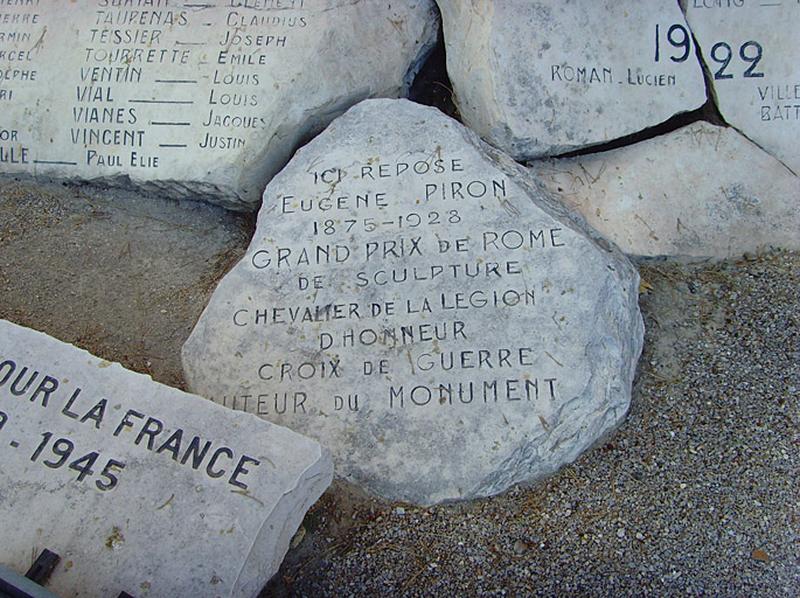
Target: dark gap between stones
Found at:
707, 112
713, 115
432, 86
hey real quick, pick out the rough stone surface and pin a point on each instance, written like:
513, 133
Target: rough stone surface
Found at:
699, 191
543, 78
752, 50
131, 512
203, 100
414, 302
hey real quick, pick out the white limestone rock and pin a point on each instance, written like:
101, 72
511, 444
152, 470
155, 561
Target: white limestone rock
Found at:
540, 78
193, 100
702, 190
412, 301
752, 51
203, 505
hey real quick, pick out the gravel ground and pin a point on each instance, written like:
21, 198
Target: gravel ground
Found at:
123, 276
697, 493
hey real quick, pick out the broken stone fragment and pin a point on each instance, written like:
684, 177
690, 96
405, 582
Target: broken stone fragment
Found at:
751, 50
413, 301
540, 78
701, 191
138, 487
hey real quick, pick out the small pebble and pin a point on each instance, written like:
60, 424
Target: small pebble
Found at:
520, 547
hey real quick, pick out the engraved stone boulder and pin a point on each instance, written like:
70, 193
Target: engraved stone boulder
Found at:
752, 51
413, 301
544, 77
138, 487
193, 100
701, 191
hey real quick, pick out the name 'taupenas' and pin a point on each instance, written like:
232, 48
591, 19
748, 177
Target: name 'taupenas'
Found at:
143, 18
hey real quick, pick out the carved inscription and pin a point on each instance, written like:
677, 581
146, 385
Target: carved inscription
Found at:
405, 294
752, 49
431, 279
151, 79
559, 76
663, 72
107, 463
39, 390
178, 91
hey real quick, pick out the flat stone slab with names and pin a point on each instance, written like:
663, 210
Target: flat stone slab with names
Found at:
198, 100
139, 487
415, 303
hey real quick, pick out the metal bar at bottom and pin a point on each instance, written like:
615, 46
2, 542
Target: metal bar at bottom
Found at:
43, 567
14, 585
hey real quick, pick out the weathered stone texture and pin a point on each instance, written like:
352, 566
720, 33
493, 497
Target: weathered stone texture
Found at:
415, 303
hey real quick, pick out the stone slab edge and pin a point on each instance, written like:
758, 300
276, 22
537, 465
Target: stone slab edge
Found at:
311, 482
